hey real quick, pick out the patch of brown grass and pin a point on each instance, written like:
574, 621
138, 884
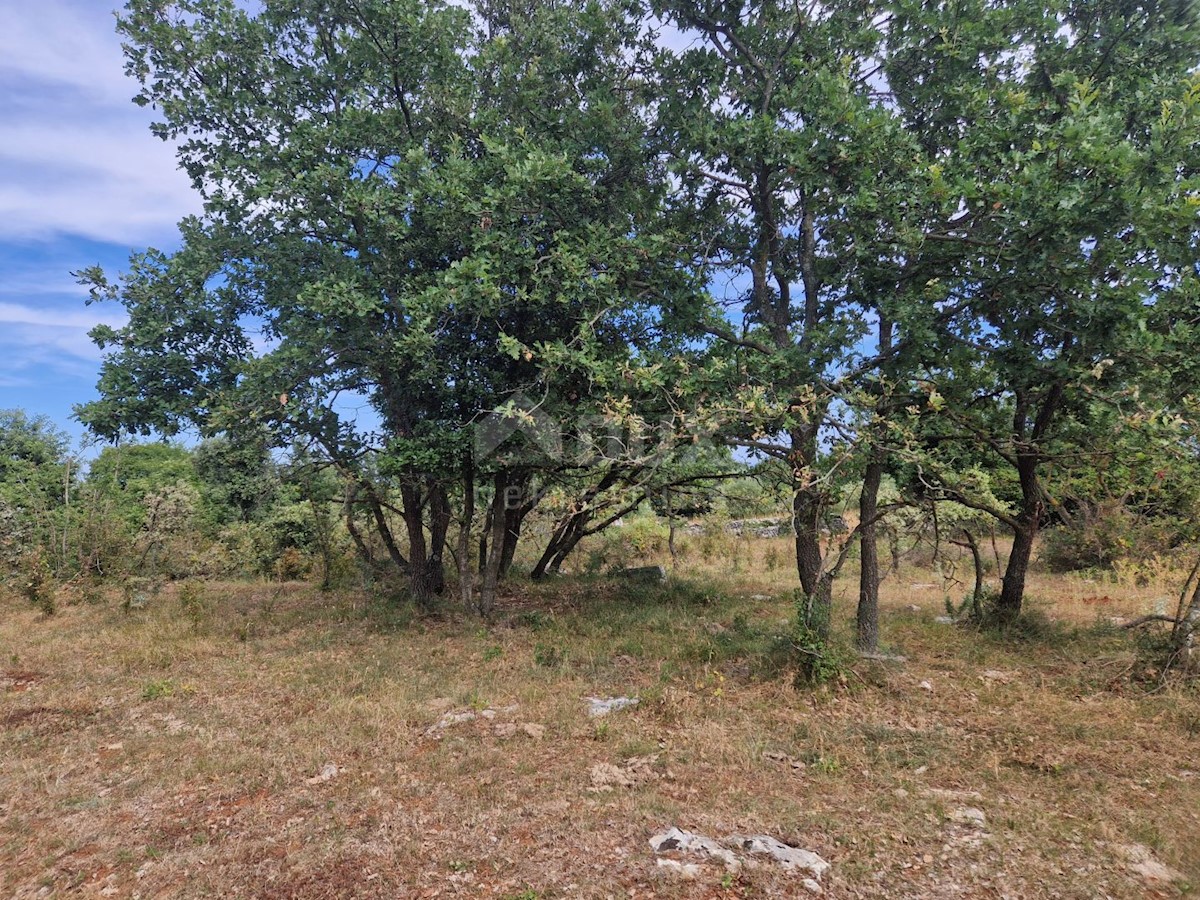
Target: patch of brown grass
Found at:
211, 782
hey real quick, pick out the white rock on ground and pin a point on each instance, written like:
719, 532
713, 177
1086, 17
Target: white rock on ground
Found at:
458, 717
602, 706
1141, 862
788, 857
951, 795
686, 842
328, 772
996, 675
686, 871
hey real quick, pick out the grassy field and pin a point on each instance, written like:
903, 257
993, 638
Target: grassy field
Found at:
269, 740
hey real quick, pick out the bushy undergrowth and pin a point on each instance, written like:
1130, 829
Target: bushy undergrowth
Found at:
1102, 537
629, 543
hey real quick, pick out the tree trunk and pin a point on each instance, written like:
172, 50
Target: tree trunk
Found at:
350, 497
324, 531
439, 527
385, 531
1012, 592
485, 536
419, 581
867, 619
466, 576
516, 509
977, 559
491, 568
806, 520
1186, 631
867, 634
560, 538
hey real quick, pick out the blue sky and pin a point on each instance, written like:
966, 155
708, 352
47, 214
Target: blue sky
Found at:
82, 181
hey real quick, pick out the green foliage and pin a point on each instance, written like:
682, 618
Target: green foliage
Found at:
1030, 626
238, 479
138, 591
533, 619
528, 209
674, 592
639, 538
976, 609
766, 651
1097, 538
123, 476
37, 582
166, 543
407, 225
819, 660
549, 656
291, 565
37, 476
158, 689
194, 603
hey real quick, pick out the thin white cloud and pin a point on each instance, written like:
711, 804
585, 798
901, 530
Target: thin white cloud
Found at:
39, 343
57, 318
76, 156
38, 350
70, 45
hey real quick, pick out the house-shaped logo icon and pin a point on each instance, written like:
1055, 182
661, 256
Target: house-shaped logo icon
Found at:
518, 427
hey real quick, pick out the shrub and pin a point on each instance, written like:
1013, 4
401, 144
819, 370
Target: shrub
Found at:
37, 582
193, 602
292, 565
1099, 536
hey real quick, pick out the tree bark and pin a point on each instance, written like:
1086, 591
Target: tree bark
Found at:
350, 497
514, 517
491, 569
867, 620
867, 617
420, 583
439, 527
466, 575
561, 543
807, 504
571, 528
1185, 637
1012, 592
977, 560
385, 531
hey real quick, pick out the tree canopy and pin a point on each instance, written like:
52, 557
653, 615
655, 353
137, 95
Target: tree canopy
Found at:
861, 238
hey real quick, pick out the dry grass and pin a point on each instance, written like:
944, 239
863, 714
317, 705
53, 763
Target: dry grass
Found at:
178, 750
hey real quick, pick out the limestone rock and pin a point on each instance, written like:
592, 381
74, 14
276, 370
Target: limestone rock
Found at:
602, 706
695, 844
788, 857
